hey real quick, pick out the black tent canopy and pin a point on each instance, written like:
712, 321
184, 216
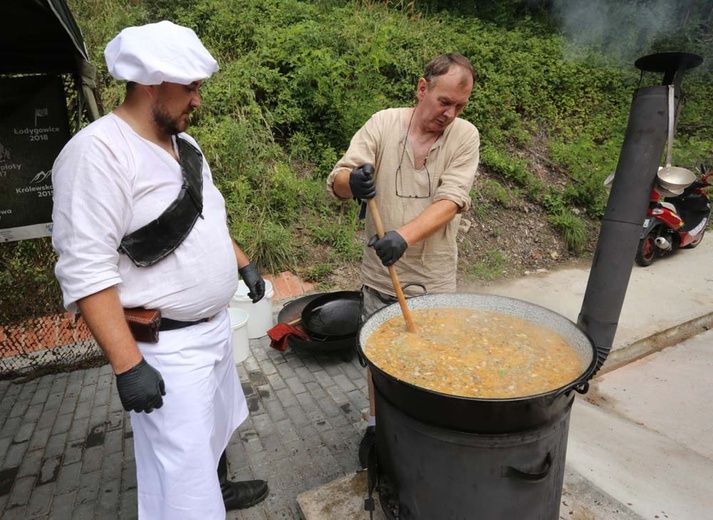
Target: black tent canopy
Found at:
41, 36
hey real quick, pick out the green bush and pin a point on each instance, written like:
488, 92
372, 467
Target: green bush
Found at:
493, 190
27, 281
298, 78
267, 242
340, 234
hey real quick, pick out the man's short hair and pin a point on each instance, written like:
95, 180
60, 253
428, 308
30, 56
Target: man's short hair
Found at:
443, 63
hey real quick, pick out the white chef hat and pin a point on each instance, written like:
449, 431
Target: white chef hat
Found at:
157, 52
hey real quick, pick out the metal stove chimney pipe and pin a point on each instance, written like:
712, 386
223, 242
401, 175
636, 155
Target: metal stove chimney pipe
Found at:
621, 225
620, 230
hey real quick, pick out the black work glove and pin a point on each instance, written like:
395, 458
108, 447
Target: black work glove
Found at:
390, 248
140, 388
254, 282
361, 182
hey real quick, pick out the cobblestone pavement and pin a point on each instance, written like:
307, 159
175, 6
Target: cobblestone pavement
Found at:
66, 444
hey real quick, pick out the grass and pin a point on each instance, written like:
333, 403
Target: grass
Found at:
572, 229
488, 269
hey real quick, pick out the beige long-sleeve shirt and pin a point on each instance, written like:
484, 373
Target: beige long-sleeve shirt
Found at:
404, 192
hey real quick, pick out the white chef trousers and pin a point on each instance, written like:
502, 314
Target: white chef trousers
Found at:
177, 446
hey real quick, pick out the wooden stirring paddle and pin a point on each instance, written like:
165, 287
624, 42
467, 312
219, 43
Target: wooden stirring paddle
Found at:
392, 271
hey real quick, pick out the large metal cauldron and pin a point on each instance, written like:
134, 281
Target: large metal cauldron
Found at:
443, 456
474, 414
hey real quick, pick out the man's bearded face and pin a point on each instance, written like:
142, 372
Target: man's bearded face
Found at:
169, 123
171, 111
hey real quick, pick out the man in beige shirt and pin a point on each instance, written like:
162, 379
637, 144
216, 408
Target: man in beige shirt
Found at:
419, 165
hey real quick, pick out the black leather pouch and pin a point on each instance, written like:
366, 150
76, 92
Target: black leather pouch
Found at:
156, 240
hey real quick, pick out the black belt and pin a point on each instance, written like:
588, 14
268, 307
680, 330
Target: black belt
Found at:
169, 324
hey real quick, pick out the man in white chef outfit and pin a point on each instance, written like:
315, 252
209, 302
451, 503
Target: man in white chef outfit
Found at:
112, 182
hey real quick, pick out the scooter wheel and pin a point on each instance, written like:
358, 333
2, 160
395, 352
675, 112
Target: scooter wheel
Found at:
646, 252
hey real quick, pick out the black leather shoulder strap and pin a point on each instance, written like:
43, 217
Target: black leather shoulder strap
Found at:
153, 242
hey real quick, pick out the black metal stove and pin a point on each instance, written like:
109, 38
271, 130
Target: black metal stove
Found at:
514, 475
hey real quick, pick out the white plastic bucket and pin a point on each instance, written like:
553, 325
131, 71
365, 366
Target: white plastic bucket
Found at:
259, 314
238, 324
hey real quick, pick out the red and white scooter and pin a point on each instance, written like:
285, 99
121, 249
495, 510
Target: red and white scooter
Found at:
675, 221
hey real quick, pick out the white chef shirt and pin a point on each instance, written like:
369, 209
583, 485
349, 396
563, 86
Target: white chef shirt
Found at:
109, 181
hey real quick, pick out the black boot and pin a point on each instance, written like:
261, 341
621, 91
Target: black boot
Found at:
239, 495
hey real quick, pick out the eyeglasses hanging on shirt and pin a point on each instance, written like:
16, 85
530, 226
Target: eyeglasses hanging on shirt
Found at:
418, 189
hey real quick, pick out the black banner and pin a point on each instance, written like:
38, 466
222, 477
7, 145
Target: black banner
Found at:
33, 129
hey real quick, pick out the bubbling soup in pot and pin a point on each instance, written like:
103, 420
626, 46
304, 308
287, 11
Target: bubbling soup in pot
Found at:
473, 353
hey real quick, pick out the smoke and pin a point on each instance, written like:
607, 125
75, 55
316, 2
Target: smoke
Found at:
622, 29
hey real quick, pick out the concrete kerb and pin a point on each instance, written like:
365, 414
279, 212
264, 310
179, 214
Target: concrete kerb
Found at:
582, 501
656, 342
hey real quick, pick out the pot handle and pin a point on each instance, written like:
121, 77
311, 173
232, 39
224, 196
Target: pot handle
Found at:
404, 286
360, 356
357, 347
581, 387
515, 473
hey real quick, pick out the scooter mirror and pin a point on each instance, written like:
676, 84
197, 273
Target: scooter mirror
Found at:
707, 178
